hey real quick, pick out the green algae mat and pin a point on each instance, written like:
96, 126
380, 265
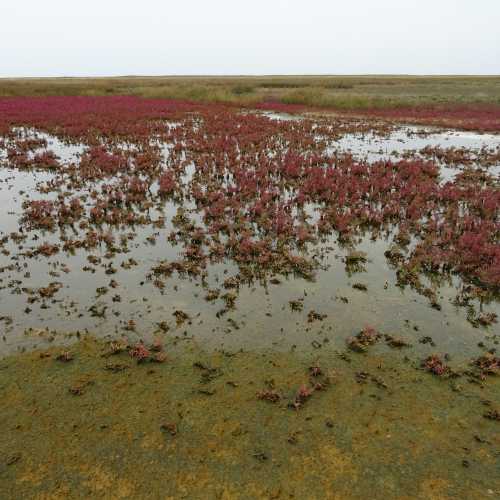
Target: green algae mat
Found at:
96, 422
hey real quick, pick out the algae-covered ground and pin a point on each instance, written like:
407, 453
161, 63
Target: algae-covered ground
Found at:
92, 422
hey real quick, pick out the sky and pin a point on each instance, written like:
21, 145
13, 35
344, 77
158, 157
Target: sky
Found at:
232, 37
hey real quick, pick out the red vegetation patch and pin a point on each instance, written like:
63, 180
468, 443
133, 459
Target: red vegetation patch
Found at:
261, 193
436, 365
483, 117
365, 338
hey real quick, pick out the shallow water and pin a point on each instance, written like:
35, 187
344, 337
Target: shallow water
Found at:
262, 317
374, 148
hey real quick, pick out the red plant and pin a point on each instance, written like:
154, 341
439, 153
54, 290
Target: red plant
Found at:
167, 183
436, 365
140, 353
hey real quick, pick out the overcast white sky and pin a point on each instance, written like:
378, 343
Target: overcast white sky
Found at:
161, 37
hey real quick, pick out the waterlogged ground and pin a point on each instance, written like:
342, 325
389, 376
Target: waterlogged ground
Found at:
280, 305
194, 427
262, 318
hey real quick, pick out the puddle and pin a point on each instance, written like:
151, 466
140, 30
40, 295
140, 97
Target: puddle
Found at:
273, 115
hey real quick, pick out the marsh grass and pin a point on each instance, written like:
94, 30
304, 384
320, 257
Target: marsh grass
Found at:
342, 92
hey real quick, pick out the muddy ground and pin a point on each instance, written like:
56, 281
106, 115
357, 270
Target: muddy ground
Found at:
243, 424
